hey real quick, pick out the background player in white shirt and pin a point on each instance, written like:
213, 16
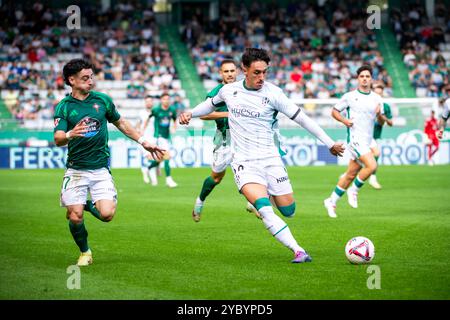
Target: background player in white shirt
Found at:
444, 117
256, 162
362, 106
147, 132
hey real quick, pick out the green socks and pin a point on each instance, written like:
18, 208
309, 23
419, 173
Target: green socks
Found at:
167, 167
375, 172
90, 207
79, 234
153, 164
208, 186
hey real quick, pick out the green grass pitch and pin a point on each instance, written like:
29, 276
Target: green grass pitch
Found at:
154, 250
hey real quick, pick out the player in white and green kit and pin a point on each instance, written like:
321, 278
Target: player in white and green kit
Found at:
81, 122
222, 150
256, 162
378, 128
444, 117
362, 107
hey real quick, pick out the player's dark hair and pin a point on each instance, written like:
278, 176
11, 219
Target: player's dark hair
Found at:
73, 67
364, 68
164, 94
227, 60
254, 54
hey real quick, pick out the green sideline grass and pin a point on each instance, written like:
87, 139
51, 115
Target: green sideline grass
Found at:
153, 249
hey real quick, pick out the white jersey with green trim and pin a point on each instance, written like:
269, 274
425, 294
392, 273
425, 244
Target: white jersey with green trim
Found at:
251, 118
362, 108
446, 112
143, 116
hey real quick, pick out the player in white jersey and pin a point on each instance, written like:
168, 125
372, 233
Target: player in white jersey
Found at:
362, 107
444, 118
147, 132
257, 166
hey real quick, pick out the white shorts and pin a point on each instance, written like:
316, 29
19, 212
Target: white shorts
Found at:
373, 144
272, 175
164, 143
221, 158
77, 183
357, 149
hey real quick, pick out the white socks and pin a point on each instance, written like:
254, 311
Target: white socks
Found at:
279, 229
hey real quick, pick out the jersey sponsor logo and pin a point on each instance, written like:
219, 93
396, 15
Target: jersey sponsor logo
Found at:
164, 122
56, 121
245, 113
93, 126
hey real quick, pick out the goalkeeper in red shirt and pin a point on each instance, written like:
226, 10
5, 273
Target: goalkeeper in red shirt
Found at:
431, 128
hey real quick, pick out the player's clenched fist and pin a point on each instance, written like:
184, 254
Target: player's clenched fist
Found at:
185, 117
337, 149
156, 152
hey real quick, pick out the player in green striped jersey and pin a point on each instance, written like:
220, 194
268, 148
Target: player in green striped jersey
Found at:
81, 123
222, 151
164, 114
378, 128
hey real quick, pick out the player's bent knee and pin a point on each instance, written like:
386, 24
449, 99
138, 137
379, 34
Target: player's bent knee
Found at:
350, 176
373, 167
107, 215
288, 211
217, 180
76, 217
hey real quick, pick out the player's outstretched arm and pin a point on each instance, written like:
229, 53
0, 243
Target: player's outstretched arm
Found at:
202, 109
215, 115
337, 149
309, 124
127, 129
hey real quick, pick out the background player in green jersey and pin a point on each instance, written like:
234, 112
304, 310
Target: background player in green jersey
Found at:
222, 151
163, 114
378, 128
81, 122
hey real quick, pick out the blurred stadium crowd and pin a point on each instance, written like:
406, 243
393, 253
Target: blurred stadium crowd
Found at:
122, 43
315, 50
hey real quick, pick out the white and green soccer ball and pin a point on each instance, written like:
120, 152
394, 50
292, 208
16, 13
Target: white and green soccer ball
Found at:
359, 250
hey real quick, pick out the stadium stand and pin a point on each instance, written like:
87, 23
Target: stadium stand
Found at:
425, 47
129, 58
315, 50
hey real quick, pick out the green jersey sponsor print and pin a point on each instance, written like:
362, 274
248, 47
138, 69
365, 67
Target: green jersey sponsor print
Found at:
91, 151
378, 128
162, 120
222, 123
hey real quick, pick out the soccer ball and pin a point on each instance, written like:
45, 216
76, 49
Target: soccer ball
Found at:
359, 250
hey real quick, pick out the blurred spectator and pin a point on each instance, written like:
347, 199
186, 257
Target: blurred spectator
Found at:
178, 104
136, 90
421, 41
